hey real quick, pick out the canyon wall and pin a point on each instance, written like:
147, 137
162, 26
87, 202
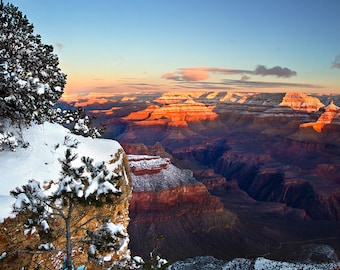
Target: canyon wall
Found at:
271, 159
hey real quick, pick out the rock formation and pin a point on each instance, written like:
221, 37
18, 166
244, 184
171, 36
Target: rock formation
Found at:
177, 115
301, 101
330, 116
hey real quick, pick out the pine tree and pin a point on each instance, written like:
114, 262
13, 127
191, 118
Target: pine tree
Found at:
78, 187
76, 120
30, 80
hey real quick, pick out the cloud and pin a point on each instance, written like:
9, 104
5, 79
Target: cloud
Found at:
226, 71
245, 84
203, 73
188, 74
274, 71
194, 74
199, 73
171, 76
245, 78
259, 84
336, 62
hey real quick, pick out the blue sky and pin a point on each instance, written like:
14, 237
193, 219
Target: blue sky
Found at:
154, 45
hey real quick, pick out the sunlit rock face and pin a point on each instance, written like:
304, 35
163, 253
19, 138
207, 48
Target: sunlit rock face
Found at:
168, 124
301, 101
329, 116
177, 115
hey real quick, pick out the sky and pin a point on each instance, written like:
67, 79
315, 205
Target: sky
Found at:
115, 46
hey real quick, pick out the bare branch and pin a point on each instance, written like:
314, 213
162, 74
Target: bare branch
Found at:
80, 227
39, 251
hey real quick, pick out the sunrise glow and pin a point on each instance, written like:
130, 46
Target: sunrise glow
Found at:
147, 46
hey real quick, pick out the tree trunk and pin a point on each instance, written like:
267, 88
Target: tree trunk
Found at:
68, 262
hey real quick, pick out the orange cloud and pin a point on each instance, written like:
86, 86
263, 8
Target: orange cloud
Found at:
199, 73
171, 76
194, 74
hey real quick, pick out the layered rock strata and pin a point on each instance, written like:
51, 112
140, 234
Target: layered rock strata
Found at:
170, 206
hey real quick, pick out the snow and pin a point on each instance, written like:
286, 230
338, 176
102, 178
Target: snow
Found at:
45, 226
92, 250
138, 260
147, 162
21, 201
40, 160
3, 255
169, 176
40, 89
261, 263
161, 262
22, 83
99, 188
46, 246
6, 208
115, 234
115, 228
57, 88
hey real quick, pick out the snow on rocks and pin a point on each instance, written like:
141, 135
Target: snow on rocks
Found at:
260, 263
301, 101
153, 173
40, 160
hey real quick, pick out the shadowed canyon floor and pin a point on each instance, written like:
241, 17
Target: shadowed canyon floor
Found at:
265, 171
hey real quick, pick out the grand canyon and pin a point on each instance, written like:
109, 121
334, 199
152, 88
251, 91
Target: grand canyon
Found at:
227, 174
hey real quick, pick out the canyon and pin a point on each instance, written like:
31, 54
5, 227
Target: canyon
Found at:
257, 173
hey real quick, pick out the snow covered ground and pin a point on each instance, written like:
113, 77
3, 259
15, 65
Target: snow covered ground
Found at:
210, 263
40, 160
